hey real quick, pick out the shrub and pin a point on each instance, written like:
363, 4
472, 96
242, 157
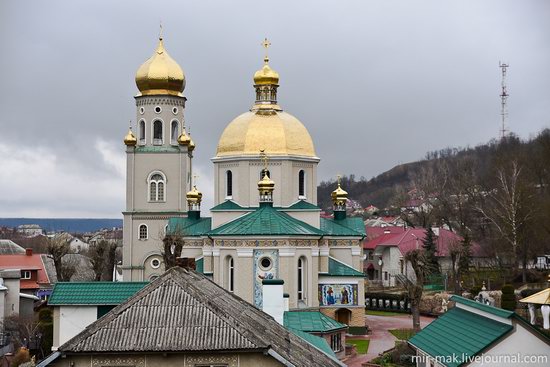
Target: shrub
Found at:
508, 301
20, 357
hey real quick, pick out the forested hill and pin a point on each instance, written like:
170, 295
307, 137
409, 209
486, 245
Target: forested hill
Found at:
480, 161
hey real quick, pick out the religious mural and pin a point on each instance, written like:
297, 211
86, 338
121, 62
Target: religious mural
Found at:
337, 294
266, 266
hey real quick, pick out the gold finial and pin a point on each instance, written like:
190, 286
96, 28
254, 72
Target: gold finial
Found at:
264, 159
130, 138
266, 45
339, 179
195, 178
339, 196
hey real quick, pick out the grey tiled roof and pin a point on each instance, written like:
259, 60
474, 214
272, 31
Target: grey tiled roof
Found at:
183, 311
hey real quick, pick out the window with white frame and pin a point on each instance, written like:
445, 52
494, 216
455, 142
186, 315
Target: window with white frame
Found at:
302, 184
157, 185
157, 132
302, 278
142, 132
230, 274
174, 132
228, 183
25, 274
336, 342
143, 232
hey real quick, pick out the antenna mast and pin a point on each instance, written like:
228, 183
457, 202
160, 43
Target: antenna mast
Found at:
503, 100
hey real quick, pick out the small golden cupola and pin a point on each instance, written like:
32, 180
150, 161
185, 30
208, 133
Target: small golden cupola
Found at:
266, 185
130, 139
160, 74
184, 139
266, 82
194, 198
339, 200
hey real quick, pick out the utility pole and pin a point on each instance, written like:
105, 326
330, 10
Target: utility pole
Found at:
503, 101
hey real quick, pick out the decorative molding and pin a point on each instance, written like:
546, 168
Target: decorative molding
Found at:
101, 361
324, 251
230, 360
302, 165
262, 164
245, 252
287, 252
229, 165
166, 100
356, 251
216, 252
340, 243
314, 252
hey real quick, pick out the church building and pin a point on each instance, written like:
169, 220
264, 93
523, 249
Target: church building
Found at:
265, 224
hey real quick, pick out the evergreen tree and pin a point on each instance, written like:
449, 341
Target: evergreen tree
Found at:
430, 250
465, 255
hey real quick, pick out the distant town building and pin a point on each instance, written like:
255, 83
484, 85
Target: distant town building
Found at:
30, 230
36, 270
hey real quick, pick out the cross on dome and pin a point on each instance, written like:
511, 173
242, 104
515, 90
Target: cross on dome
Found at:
266, 45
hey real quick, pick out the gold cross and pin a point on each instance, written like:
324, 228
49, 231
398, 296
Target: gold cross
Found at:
264, 158
160, 32
339, 179
195, 177
266, 45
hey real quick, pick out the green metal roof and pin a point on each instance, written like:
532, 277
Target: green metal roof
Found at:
317, 341
302, 205
93, 293
199, 265
228, 205
311, 321
343, 227
267, 221
458, 332
339, 269
483, 307
189, 226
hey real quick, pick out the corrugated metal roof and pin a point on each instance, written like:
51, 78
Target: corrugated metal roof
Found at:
189, 226
8, 247
302, 205
266, 220
317, 341
228, 205
459, 332
483, 307
311, 321
93, 293
184, 311
352, 227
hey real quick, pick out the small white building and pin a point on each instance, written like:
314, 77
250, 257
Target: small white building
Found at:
475, 334
30, 230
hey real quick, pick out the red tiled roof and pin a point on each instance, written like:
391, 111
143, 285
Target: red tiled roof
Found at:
374, 232
412, 238
26, 262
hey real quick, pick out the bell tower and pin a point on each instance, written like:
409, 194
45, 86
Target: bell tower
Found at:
158, 164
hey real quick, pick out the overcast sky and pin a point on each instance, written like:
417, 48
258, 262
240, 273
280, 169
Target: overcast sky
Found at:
377, 83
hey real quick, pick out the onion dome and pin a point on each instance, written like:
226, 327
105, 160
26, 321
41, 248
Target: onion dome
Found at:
130, 139
184, 139
160, 74
266, 185
191, 146
339, 196
266, 75
194, 196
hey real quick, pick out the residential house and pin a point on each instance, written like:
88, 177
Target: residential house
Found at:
12, 301
30, 230
184, 319
476, 334
37, 272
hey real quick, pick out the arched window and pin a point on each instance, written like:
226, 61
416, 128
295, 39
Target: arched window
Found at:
143, 232
265, 171
302, 183
142, 132
157, 132
156, 187
302, 274
230, 274
228, 183
174, 132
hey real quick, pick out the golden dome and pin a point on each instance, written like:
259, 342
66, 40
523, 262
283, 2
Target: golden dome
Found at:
276, 132
266, 185
191, 146
339, 196
266, 75
184, 139
194, 196
130, 138
160, 74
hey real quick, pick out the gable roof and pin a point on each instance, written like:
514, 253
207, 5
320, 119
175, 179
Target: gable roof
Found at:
183, 311
267, 221
302, 205
317, 341
340, 269
27, 262
311, 321
228, 205
189, 226
93, 293
459, 332
541, 298
500, 312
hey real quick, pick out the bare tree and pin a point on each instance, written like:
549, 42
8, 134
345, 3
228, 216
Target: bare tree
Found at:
415, 287
58, 247
102, 257
171, 251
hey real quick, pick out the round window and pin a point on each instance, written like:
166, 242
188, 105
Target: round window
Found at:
265, 263
175, 110
141, 110
155, 263
158, 109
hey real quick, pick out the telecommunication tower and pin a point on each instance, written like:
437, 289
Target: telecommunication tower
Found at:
503, 100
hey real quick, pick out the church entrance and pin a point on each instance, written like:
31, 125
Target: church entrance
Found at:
343, 316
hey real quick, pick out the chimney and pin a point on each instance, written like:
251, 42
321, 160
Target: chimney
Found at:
28, 251
273, 299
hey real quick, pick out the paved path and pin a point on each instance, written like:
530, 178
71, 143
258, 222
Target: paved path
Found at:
381, 339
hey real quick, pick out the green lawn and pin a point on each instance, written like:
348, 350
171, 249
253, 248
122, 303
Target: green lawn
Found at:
383, 313
402, 334
362, 345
